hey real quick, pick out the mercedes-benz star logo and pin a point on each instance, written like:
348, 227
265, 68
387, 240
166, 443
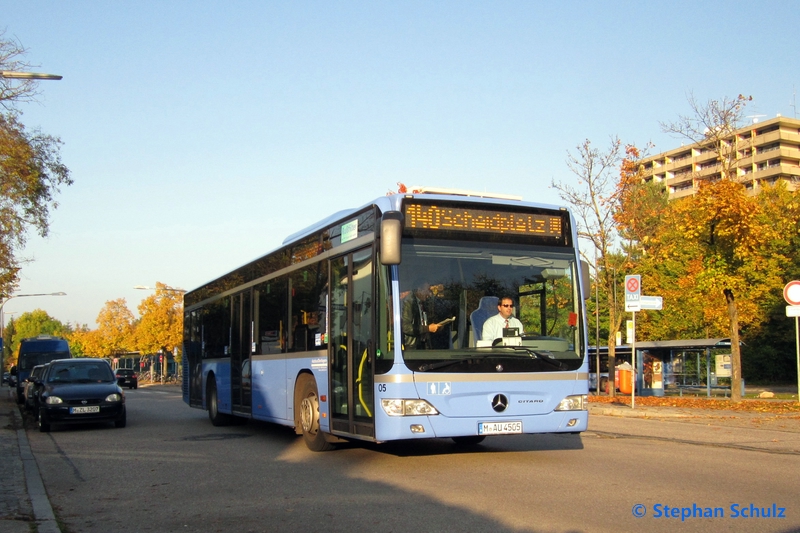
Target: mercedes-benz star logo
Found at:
499, 403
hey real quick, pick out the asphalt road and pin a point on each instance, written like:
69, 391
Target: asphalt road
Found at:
171, 470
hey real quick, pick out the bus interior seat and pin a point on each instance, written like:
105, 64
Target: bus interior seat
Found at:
487, 307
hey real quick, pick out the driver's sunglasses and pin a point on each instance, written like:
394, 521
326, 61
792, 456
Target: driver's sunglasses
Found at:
506, 305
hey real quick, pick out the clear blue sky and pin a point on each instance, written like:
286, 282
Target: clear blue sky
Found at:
200, 134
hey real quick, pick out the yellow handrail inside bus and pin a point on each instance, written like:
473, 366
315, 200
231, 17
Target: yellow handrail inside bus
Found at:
360, 383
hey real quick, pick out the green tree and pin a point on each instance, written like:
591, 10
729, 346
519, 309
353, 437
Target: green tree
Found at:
31, 324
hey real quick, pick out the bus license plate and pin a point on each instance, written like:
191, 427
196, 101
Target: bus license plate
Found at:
84, 410
499, 428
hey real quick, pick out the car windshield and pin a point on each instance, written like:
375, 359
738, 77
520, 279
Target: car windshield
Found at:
524, 298
74, 372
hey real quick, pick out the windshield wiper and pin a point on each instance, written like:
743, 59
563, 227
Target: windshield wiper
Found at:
546, 357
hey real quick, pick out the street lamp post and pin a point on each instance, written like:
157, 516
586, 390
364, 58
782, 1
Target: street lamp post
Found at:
3, 319
3, 303
13, 75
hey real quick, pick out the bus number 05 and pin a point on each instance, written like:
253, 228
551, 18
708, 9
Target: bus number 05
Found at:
381, 387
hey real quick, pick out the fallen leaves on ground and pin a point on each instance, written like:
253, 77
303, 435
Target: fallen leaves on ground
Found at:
761, 406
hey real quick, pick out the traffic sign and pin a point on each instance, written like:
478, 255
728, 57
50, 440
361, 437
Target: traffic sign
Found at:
653, 303
791, 293
633, 292
793, 310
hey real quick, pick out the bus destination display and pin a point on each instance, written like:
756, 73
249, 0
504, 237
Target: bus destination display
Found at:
439, 217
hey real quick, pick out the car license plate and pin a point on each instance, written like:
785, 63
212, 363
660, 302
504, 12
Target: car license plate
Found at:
84, 410
499, 428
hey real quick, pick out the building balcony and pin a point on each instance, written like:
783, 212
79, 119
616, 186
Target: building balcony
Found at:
774, 171
682, 193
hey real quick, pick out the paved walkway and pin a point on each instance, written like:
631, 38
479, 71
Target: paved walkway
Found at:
23, 500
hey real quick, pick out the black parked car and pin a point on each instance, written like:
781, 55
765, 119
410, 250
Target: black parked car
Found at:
127, 377
31, 389
82, 390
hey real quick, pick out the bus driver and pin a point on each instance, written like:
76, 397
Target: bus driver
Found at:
494, 325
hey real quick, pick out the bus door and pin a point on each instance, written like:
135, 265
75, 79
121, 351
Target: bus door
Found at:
241, 342
351, 344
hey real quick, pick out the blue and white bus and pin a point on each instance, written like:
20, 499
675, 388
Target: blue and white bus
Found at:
312, 335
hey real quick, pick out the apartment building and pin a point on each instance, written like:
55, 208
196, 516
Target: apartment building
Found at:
761, 153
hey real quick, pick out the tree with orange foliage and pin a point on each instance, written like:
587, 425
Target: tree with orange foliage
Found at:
160, 328
721, 218
114, 334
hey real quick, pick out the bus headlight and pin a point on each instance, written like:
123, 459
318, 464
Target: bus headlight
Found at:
408, 408
579, 402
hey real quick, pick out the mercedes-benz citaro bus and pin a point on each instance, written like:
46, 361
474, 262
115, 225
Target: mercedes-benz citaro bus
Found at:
35, 351
369, 325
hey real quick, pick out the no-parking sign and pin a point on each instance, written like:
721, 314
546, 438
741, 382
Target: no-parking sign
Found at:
633, 293
791, 293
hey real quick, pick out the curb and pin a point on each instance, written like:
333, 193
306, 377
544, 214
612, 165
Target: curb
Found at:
42, 510
643, 412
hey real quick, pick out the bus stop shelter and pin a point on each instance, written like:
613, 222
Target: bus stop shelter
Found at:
678, 364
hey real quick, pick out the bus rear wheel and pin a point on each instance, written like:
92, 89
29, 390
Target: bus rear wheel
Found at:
308, 406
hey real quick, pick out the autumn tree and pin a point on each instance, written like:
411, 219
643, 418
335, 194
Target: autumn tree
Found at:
115, 332
720, 218
160, 328
84, 342
31, 171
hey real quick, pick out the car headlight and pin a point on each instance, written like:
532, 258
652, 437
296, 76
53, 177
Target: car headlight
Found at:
408, 408
579, 402
53, 400
114, 397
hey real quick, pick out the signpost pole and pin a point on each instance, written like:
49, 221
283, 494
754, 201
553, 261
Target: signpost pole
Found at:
633, 363
791, 293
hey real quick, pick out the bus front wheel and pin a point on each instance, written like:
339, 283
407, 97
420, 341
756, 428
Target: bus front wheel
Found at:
308, 406
212, 401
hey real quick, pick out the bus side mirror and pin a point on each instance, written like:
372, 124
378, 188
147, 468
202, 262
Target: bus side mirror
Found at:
391, 234
586, 284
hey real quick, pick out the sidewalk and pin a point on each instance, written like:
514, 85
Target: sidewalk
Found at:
24, 505
785, 422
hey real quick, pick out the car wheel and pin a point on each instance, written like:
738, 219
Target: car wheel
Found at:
43, 422
122, 420
308, 407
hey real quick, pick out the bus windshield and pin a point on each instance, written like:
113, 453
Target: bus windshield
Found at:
457, 287
29, 360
